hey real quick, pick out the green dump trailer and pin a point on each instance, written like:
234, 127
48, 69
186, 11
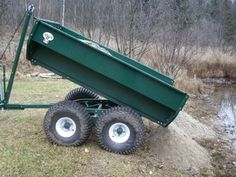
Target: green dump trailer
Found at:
115, 90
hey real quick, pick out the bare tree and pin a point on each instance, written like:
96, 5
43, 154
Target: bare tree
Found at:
175, 42
39, 8
63, 12
132, 27
173, 51
4, 5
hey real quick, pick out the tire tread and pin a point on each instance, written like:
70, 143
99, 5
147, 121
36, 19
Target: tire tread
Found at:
79, 111
135, 120
79, 93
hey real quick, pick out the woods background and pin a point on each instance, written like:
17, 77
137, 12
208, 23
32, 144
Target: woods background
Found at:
173, 36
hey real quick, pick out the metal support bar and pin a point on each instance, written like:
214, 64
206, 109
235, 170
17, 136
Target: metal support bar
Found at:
4, 80
26, 106
2, 87
91, 105
16, 61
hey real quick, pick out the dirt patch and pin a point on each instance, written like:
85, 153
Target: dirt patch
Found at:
193, 128
176, 145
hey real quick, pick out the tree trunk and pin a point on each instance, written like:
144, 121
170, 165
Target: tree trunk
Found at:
63, 13
39, 8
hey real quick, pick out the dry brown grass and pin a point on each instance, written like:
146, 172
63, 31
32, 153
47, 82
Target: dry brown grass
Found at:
213, 64
184, 81
207, 63
190, 85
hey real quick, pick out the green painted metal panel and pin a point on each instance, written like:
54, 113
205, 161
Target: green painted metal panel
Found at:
114, 53
104, 71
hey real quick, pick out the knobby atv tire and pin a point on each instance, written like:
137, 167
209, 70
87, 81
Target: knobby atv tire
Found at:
125, 116
80, 93
73, 111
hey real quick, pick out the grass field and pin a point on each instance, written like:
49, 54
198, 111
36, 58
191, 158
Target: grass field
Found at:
25, 151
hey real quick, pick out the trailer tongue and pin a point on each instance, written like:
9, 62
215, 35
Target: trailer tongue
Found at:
131, 89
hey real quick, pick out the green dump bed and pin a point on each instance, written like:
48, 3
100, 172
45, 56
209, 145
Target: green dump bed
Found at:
104, 71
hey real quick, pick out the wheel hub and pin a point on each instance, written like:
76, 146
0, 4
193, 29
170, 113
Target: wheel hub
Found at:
65, 127
119, 132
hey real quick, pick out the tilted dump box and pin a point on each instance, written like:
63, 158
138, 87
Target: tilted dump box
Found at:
131, 89
104, 71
